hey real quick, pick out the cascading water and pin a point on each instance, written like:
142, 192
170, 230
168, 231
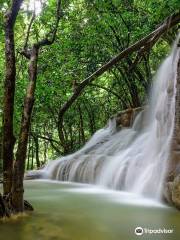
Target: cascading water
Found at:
132, 159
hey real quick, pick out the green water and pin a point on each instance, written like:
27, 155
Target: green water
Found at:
78, 212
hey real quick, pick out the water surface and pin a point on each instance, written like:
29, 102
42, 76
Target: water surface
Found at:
67, 211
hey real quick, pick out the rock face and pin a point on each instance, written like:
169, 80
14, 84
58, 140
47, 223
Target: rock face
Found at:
172, 192
172, 185
175, 152
126, 118
176, 192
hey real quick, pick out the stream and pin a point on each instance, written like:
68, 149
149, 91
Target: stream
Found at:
72, 211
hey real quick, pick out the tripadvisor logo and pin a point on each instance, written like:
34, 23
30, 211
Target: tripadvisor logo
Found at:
139, 231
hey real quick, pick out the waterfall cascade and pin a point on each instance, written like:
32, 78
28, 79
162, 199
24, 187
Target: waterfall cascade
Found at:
131, 159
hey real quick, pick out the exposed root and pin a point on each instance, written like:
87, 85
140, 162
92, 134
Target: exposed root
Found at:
28, 206
6, 207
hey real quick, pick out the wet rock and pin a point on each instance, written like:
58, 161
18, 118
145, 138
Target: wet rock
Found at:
176, 192
167, 194
126, 118
171, 191
170, 89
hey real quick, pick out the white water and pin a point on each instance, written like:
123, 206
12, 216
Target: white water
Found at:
133, 159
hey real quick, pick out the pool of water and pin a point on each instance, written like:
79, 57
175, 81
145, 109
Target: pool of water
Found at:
69, 211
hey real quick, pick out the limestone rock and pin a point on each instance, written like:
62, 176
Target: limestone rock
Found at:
126, 118
176, 192
167, 194
171, 191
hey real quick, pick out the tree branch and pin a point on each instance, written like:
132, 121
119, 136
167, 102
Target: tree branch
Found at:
48, 41
109, 91
12, 13
51, 140
44, 138
28, 31
106, 89
146, 42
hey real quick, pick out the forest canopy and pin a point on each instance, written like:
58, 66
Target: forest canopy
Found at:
89, 34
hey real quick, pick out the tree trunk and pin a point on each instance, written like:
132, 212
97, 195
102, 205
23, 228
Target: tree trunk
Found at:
81, 126
61, 135
36, 141
28, 156
9, 90
1, 165
91, 119
45, 151
14, 173
32, 156
19, 166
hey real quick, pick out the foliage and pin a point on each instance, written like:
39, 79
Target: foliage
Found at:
90, 33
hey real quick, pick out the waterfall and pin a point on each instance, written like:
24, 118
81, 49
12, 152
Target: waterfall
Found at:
131, 159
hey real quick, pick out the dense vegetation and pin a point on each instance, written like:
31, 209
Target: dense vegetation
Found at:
85, 35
